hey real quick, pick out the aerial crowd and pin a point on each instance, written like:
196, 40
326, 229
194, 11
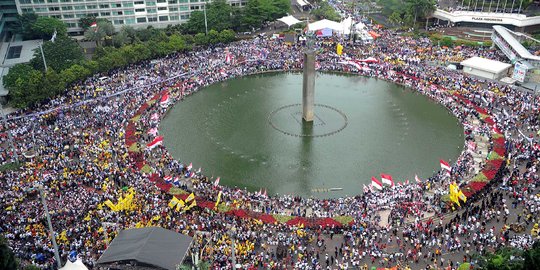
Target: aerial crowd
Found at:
74, 148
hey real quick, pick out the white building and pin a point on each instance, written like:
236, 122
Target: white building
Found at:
485, 68
135, 13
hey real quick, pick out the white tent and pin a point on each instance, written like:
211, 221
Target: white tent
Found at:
289, 20
318, 25
77, 265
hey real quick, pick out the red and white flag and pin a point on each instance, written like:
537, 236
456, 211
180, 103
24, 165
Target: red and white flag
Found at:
216, 182
94, 24
387, 179
418, 180
167, 178
264, 195
164, 100
157, 141
366, 189
154, 116
445, 165
190, 166
375, 183
406, 181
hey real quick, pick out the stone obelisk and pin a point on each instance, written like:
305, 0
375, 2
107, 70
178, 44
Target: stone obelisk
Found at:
308, 88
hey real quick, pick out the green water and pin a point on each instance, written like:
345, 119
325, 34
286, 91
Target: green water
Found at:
225, 129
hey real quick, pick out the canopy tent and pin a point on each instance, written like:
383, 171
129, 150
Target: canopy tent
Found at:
289, 20
318, 25
341, 28
77, 265
153, 246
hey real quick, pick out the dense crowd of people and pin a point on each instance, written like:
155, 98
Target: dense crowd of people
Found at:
74, 150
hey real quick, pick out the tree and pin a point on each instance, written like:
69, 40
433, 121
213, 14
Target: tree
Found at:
86, 21
120, 39
27, 90
226, 36
532, 256
200, 39
15, 72
420, 8
44, 27
325, 11
7, 257
102, 31
74, 73
59, 55
395, 18
24, 24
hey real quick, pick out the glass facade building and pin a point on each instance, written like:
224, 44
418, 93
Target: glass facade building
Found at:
135, 13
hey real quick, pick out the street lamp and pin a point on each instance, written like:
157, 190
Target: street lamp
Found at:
49, 223
232, 234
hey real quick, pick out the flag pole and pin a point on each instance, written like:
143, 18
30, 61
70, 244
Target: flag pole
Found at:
43, 55
205, 21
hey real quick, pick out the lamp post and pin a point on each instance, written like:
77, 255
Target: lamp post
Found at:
205, 21
51, 230
232, 234
43, 56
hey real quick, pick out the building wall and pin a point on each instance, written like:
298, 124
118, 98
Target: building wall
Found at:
8, 15
480, 73
135, 13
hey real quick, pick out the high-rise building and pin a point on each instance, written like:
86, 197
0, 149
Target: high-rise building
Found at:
8, 15
136, 13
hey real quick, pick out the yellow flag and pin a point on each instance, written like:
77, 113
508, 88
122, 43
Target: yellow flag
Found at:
190, 197
462, 196
180, 205
173, 202
218, 199
339, 49
111, 205
193, 204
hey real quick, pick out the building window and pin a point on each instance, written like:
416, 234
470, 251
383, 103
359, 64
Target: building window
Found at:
38, 1
52, 1
118, 21
162, 8
184, 8
152, 10
69, 16
41, 9
130, 21
127, 4
138, 2
129, 12
56, 16
67, 7
118, 5
80, 7
105, 14
173, 1
141, 20
118, 13
91, 6
26, 1
65, 1
139, 10
184, 17
174, 18
152, 19
14, 52
71, 25
54, 8
27, 10
173, 9
163, 18
150, 4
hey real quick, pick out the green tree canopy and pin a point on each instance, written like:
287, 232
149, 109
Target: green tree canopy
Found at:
7, 258
59, 55
44, 27
102, 31
24, 25
325, 11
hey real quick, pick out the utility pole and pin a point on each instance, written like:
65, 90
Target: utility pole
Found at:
51, 230
205, 21
10, 137
43, 56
